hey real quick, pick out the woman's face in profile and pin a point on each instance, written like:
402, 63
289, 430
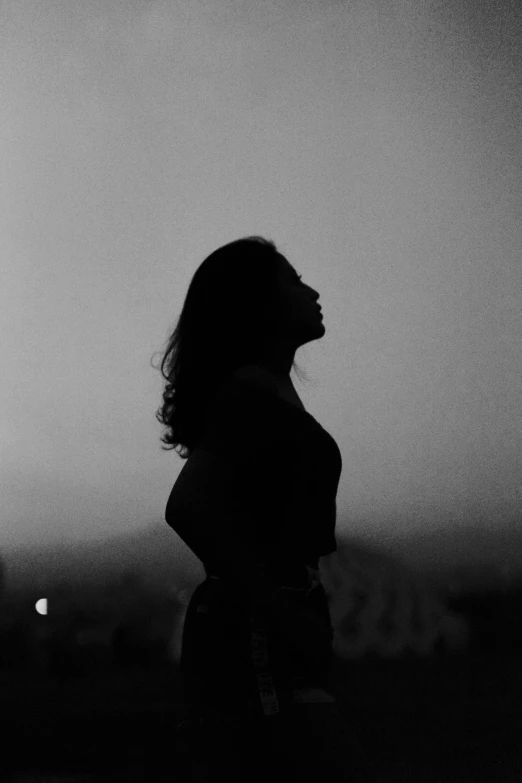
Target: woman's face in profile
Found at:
302, 320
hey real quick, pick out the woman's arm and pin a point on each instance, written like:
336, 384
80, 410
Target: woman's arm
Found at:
204, 509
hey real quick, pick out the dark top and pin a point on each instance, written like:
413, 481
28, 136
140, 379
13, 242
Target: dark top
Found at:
289, 469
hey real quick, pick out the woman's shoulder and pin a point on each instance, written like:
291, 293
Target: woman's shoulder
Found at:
257, 377
233, 393
237, 407
248, 377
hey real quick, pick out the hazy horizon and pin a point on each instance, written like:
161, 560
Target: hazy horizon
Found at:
377, 144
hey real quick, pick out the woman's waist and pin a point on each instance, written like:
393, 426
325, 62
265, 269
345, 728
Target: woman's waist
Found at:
289, 576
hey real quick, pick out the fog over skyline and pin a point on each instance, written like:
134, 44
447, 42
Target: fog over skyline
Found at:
377, 143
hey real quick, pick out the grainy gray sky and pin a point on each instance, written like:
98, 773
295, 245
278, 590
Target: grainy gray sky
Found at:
376, 142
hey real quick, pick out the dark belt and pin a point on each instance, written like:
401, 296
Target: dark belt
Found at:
305, 578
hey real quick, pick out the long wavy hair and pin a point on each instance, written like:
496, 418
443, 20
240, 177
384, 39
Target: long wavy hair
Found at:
222, 326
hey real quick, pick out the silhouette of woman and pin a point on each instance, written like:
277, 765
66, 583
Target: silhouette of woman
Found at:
256, 503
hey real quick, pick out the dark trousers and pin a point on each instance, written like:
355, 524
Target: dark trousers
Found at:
233, 739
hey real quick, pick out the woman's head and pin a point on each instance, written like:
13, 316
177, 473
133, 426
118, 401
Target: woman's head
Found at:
243, 305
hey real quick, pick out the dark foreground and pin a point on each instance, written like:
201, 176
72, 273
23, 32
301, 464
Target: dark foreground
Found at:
445, 721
